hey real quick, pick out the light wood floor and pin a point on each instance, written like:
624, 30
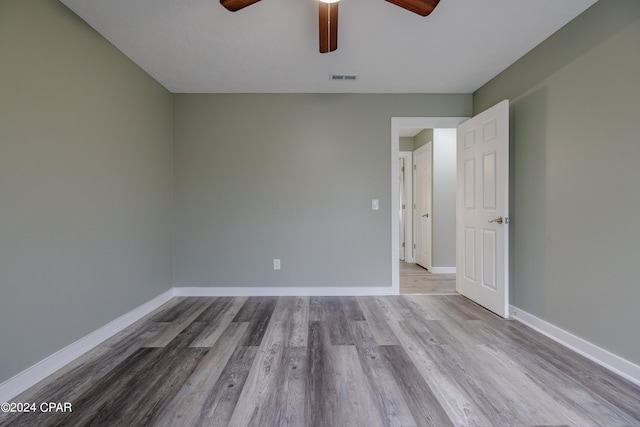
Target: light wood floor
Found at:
332, 361
417, 280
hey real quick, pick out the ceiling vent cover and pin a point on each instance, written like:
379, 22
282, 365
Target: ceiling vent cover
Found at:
343, 77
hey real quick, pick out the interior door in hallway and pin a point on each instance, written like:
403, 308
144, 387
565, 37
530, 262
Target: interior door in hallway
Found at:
422, 211
482, 209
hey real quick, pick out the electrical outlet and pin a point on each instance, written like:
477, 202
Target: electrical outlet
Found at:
276, 264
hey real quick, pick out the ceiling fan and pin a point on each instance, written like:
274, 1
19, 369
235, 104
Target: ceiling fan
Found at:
328, 16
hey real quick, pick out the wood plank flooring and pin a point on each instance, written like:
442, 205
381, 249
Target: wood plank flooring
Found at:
331, 361
417, 280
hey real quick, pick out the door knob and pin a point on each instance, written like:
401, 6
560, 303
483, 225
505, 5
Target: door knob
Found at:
498, 220
425, 215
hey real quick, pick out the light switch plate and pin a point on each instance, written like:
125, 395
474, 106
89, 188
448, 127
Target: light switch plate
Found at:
375, 204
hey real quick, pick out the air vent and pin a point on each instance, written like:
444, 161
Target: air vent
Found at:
343, 77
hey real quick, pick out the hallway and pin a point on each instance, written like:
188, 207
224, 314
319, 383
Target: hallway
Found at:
417, 280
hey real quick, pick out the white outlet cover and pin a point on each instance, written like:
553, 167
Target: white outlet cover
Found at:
276, 264
375, 204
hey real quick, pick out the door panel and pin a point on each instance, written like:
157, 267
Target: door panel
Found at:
482, 209
489, 181
470, 183
489, 250
469, 254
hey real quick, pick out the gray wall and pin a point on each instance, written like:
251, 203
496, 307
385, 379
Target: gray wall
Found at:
85, 183
575, 105
444, 198
422, 138
259, 177
406, 143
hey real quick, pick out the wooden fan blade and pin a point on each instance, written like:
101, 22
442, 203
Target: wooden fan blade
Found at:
421, 7
235, 5
328, 20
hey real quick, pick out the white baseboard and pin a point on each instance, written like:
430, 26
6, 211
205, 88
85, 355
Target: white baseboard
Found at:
602, 357
36, 373
443, 270
260, 291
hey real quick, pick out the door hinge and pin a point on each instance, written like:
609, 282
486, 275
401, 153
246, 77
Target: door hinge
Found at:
403, 244
414, 167
414, 246
404, 206
402, 169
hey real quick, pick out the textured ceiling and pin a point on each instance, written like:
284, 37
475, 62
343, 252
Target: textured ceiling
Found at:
197, 46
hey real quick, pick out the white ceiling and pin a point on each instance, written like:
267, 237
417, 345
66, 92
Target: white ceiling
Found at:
197, 46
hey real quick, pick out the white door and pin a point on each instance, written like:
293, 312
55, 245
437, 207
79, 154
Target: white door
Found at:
482, 230
422, 212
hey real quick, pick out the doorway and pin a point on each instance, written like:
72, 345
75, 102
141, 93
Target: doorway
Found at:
398, 125
415, 279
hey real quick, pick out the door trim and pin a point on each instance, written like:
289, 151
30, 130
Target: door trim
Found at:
398, 123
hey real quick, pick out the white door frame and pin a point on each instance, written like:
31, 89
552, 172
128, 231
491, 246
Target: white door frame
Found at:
398, 123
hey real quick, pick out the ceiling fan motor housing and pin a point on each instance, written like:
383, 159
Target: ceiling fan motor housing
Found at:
328, 26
